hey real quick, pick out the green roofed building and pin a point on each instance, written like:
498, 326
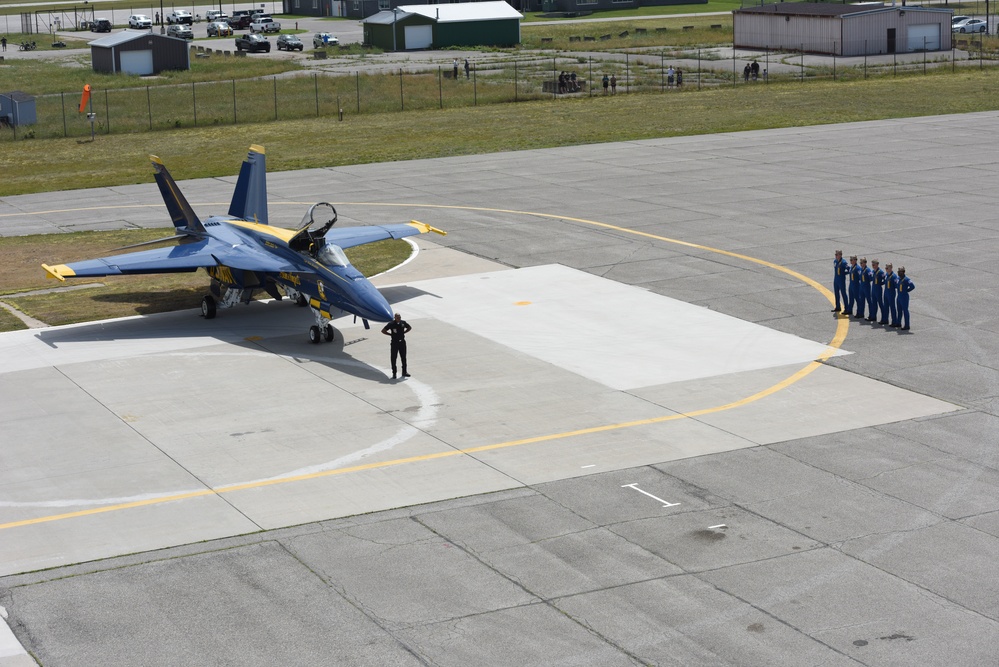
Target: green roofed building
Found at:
410, 27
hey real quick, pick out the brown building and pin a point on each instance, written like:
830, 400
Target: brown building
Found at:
842, 30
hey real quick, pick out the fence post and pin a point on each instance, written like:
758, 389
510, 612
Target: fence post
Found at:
194, 103
107, 110
357, 78
662, 70
802, 66
440, 87
149, 109
894, 64
275, 98
315, 83
475, 89
698, 69
402, 99
515, 81
865, 60
734, 76
590, 86
627, 73
234, 102
766, 53
834, 60
981, 50
554, 79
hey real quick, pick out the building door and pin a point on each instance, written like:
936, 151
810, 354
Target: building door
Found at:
137, 62
891, 40
419, 36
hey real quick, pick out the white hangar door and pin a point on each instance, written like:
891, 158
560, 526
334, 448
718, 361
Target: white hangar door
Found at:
927, 33
137, 62
419, 36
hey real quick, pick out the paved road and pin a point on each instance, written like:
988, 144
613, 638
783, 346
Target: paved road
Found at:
838, 533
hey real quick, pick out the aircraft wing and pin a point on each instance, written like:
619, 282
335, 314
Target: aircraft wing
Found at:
175, 259
348, 237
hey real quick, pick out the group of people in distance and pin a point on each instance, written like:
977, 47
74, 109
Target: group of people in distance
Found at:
872, 288
674, 76
567, 83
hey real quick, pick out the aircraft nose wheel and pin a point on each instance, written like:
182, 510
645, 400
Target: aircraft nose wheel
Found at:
208, 307
314, 335
329, 334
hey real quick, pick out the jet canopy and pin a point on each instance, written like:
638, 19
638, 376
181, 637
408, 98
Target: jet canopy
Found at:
332, 255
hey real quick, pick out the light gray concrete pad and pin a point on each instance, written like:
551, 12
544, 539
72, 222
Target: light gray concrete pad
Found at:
862, 530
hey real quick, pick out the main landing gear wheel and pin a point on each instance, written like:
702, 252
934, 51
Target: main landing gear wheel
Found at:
314, 335
208, 307
328, 333
300, 301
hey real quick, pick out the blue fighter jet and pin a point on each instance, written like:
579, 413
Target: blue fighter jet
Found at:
244, 255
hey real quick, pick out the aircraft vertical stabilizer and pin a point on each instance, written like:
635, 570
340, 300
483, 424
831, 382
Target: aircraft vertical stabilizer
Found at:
181, 213
249, 201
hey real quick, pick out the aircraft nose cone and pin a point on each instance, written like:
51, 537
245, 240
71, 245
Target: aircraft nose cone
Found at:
375, 305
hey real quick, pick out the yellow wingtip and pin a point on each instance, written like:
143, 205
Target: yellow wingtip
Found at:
256, 148
155, 159
424, 228
59, 271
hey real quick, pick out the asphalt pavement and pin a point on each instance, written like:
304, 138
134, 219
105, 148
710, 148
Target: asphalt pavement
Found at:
635, 434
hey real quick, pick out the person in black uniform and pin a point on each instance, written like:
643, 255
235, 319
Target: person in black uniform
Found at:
398, 328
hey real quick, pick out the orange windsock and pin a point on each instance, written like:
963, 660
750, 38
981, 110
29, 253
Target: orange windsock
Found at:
85, 98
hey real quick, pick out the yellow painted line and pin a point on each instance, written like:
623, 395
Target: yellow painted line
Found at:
842, 327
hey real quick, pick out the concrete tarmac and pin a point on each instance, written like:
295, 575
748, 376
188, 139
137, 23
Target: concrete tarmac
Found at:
635, 433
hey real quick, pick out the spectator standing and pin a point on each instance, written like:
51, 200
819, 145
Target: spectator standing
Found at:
468, 69
745, 73
670, 75
606, 83
679, 78
455, 69
613, 85
3, 40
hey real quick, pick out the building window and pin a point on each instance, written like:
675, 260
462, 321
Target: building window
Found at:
357, 6
585, 2
384, 4
298, 4
315, 4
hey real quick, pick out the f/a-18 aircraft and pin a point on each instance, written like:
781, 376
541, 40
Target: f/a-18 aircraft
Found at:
244, 255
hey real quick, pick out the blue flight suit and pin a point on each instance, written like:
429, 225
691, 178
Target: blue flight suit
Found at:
891, 290
866, 276
878, 295
840, 269
854, 291
904, 287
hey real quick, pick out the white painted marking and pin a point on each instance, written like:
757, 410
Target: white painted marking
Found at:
592, 465
635, 487
721, 525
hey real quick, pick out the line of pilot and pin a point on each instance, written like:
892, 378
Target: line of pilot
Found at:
876, 289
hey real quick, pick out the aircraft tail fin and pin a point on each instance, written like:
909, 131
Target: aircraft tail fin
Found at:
181, 213
249, 200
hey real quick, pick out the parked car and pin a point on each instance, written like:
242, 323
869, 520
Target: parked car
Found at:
180, 30
958, 19
139, 21
321, 39
100, 25
219, 29
290, 43
179, 16
970, 25
215, 15
239, 21
253, 43
264, 23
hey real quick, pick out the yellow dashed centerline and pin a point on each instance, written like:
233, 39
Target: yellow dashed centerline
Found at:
842, 327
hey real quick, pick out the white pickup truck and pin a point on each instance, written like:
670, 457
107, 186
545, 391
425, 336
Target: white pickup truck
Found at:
264, 24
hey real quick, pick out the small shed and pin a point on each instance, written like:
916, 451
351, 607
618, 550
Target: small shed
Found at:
139, 52
842, 30
409, 27
17, 109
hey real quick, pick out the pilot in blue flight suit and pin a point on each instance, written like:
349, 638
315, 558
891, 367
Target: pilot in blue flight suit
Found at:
877, 292
905, 285
891, 290
864, 298
840, 269
854, 290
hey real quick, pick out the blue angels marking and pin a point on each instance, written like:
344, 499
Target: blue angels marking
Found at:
244, 255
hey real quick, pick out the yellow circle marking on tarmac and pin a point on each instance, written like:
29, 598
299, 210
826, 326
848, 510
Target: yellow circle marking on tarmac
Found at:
842, 327
522, 303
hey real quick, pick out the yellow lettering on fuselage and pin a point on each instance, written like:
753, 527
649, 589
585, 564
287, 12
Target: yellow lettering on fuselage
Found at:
292, 278
221, 273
